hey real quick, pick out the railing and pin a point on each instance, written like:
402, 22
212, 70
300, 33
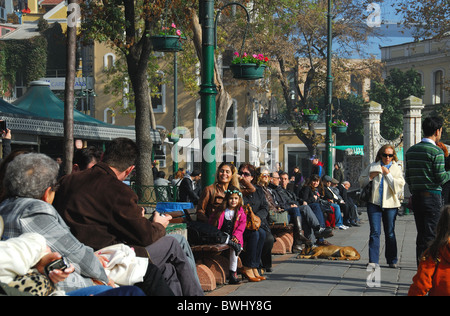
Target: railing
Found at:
150, 195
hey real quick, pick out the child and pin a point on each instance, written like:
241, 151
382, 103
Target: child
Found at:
231, 219
433, 274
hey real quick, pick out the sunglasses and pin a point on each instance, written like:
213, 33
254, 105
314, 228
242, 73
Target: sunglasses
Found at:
387, 155
245, 174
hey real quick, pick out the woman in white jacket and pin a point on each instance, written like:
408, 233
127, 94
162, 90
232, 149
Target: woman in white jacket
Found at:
387, 184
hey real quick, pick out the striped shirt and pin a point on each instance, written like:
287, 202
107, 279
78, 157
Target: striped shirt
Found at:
425, 168
24, 215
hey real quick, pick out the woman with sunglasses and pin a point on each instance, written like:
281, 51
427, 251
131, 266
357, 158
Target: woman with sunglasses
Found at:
387, 184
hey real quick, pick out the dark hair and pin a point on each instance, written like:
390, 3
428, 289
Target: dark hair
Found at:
431, 124
161, 174
83, 157
315, 177
442, 235
121, 153
251, 168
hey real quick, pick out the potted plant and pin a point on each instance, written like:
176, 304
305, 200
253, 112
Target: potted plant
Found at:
310, 115
249, 67
339, 126
169, 39
174, 138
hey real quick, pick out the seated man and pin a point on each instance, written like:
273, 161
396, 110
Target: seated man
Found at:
102, 211
30, 182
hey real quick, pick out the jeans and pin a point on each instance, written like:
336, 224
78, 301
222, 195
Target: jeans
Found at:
387, 216
253, 244
338, 214
427, 210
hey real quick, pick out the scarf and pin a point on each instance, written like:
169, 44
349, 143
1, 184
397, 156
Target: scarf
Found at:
382, 181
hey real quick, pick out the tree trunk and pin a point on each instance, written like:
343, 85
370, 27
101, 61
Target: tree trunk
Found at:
69, 93
137, 61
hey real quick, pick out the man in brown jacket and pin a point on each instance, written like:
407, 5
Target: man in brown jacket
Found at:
101, 211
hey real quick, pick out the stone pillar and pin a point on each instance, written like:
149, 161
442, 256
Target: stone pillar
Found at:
412, 122
372, 114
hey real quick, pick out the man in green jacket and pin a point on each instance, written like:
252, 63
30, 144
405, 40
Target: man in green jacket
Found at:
425, 174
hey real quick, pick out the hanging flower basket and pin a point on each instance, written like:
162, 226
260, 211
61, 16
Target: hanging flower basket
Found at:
310, 115
249, 67
169, 39
167, 43
339, 126
340, 129
248, 71
174, 138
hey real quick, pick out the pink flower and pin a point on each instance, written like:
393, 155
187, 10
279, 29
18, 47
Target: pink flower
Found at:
237, 54
178, 32
174, 26
255, 56
245, 54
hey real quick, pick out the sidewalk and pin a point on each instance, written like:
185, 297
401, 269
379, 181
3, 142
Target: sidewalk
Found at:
322, 277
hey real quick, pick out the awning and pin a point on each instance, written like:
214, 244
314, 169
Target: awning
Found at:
40, 112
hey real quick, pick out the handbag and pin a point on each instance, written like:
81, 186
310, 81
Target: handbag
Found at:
278, 217
366, 193
200, 233
253, 221
326, 206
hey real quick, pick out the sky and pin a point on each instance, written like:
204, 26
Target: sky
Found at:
391, 32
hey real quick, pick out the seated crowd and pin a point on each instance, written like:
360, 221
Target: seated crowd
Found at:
93, 219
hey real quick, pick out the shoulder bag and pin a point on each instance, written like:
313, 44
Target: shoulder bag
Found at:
253, 221
366, 193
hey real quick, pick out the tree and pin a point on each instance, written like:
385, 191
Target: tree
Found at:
429, 18
127, 25
390, 94
300, 29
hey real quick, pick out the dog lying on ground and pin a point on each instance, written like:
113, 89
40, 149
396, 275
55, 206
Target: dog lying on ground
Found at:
331, 252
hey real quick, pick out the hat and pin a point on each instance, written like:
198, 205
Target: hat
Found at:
334, 181
1, 227
196, 173
327, 178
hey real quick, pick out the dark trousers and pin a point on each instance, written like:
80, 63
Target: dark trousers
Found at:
427, 211
169, 257
253, 243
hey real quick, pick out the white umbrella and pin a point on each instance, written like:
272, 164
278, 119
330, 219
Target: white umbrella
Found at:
254, 139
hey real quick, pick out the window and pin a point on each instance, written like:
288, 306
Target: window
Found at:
108, 116
109, 60
438, 87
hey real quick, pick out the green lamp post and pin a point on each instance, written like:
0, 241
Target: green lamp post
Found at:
208, 92
329, 135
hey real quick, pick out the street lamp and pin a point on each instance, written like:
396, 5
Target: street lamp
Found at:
329, 136
208, 92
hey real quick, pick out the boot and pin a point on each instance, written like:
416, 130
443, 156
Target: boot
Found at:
321, 232
233, 279
299, 238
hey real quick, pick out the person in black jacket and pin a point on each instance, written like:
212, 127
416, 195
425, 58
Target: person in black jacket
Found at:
258, 244
188, 191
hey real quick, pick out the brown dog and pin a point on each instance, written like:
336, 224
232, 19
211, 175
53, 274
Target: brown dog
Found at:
331, 252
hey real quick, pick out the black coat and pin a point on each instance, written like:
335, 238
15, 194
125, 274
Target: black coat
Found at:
259, 205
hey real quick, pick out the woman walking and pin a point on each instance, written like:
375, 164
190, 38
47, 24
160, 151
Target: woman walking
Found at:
382, 207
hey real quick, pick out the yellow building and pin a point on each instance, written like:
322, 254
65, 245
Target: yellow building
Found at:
431, 58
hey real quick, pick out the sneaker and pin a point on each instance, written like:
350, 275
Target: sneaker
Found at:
343, 227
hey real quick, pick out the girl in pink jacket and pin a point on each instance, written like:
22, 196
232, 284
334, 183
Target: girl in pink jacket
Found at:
231, 219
